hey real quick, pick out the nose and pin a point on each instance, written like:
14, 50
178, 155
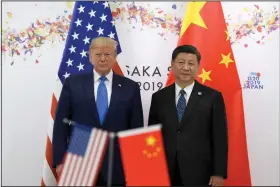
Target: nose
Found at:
102, 57
186, 66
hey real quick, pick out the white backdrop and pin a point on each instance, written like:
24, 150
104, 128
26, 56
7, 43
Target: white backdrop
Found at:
28, 79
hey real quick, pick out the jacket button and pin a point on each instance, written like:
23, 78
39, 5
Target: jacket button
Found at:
179, 132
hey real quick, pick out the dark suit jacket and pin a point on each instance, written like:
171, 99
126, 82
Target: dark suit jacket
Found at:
77, 103
200, 140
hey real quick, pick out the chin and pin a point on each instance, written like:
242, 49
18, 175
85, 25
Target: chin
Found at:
186, 78
103, 70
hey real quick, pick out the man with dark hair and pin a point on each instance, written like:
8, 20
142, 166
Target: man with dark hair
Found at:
194, 124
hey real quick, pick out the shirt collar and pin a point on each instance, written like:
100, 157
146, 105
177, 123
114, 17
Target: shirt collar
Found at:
96, 76
188, 89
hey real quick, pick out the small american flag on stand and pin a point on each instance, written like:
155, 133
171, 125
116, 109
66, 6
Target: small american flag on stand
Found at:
84, 156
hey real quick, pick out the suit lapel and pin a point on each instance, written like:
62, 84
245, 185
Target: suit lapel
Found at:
195, 97
89, 90
172, 112
115, 95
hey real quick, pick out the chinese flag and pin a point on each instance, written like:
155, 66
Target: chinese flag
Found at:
204, 27
143, 157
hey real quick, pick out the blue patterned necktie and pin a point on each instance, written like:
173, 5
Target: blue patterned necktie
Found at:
102, 100
181, 105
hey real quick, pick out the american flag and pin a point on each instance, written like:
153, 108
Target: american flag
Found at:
84, 156
89, 20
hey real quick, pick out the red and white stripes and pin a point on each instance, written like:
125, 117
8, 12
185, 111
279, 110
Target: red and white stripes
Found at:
84, 170
49, 177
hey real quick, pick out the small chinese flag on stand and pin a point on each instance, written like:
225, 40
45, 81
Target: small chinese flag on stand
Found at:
143, 157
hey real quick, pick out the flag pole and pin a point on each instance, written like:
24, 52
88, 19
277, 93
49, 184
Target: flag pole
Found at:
69, 122
111, 157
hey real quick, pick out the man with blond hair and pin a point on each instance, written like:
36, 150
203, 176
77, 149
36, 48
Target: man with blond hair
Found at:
101, 99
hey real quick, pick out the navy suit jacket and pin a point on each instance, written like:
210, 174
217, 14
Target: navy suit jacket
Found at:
77, 103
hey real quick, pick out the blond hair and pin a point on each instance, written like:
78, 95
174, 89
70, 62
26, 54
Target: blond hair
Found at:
104, 41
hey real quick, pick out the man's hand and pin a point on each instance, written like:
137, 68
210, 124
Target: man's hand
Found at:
216, 181
58, 169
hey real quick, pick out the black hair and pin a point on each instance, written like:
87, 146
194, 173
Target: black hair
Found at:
186, 49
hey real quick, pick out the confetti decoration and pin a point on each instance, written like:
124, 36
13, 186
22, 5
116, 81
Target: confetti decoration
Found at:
257, 26
40, 32
69, 4
9, 14
148, 18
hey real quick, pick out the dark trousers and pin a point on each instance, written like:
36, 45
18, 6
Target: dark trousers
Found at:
176, 179
101, 181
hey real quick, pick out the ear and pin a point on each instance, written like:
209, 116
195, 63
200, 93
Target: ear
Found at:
171, 65
89, 53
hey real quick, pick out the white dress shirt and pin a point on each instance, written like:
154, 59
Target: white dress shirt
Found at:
187, 89
108, 84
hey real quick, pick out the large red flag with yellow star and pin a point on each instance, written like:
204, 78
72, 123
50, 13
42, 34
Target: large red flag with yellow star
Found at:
143, 157
204, 27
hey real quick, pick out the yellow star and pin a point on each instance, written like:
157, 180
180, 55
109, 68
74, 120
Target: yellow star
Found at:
150, 141
205, 75
226, 60
151, 154
193, 16
227, 35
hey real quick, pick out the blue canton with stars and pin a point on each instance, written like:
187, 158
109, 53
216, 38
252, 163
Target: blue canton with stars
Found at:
89, 20
79, 139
